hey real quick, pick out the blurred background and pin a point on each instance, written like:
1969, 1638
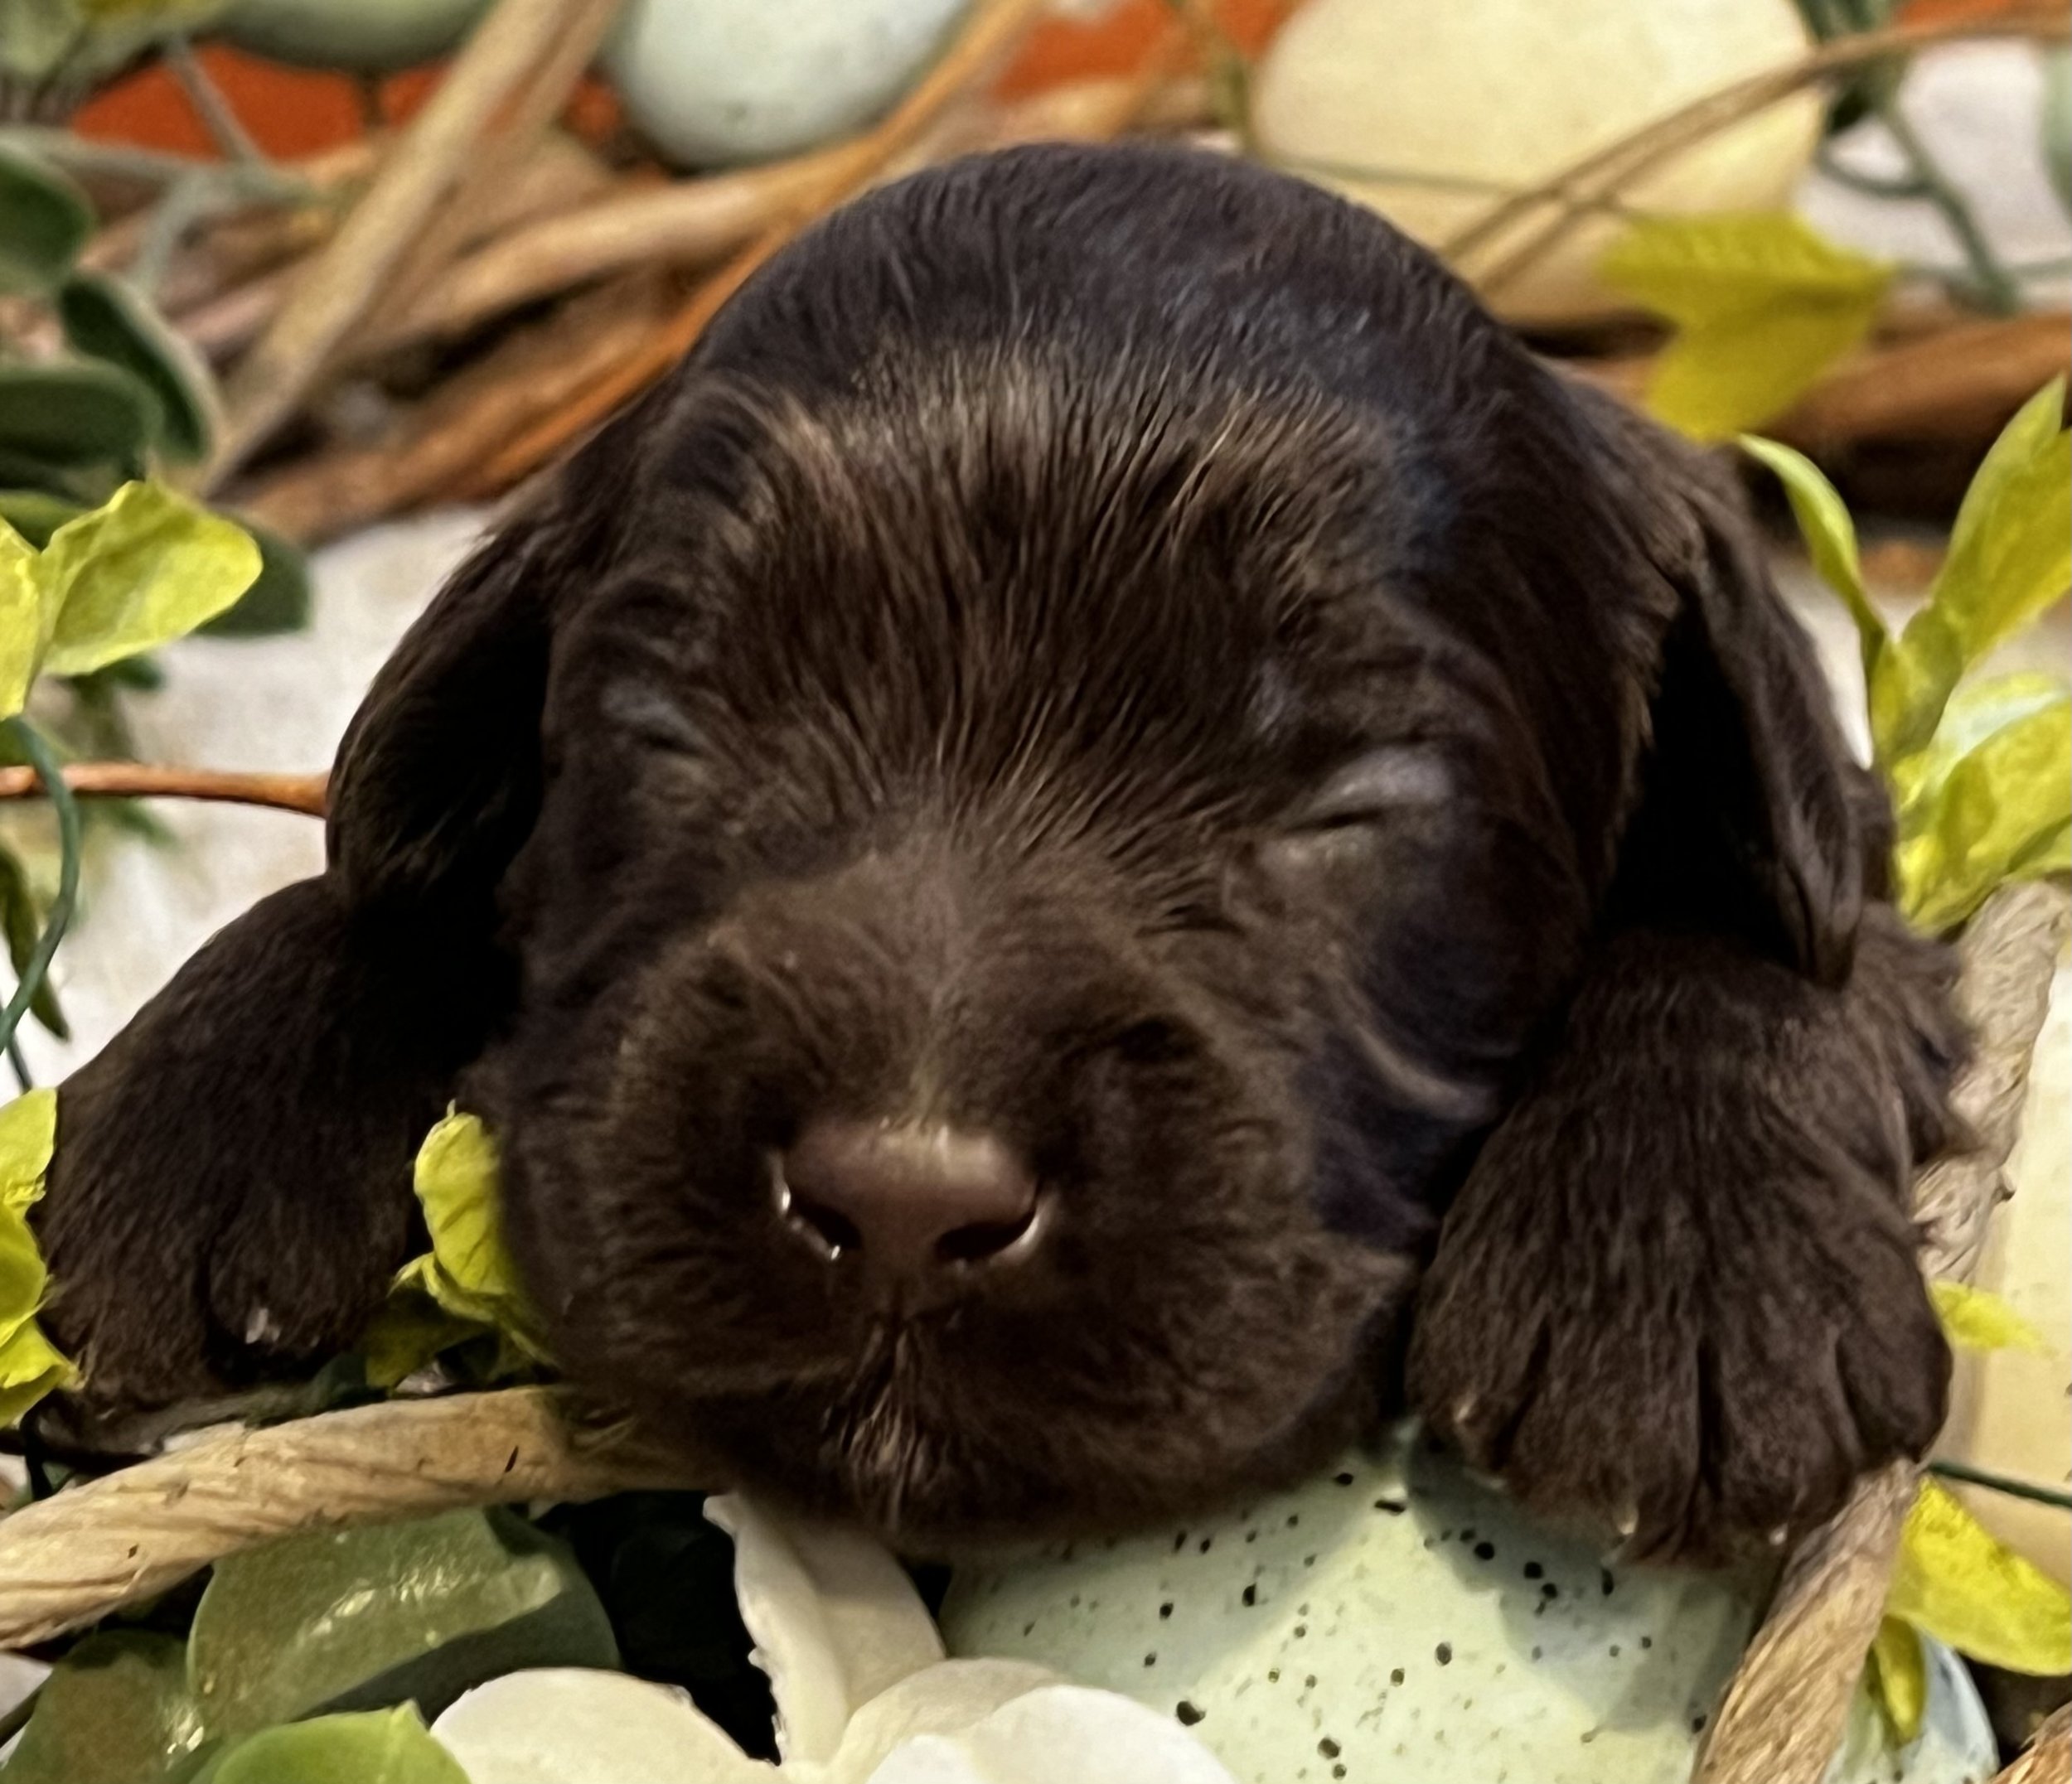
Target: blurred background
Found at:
353, 271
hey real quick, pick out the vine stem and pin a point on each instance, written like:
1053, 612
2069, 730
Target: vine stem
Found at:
1996, 287
2001, 1483
116, 779
44, 763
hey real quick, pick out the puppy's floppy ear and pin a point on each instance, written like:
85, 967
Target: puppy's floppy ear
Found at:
1751, 818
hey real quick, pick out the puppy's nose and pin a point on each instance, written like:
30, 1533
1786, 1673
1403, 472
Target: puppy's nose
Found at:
914, 1205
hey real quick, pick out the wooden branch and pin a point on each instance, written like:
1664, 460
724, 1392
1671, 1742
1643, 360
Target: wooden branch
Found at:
70, 1559
1786, 1706
282, 792
531, 375
1581, 188
990, 33
2047, 1759
1963, 383
691, 224
429, 161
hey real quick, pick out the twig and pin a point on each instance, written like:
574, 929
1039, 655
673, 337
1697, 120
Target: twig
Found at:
990, 33
429, 161
2048, 1758
222, 123
1787, 1704
43, 766
282, 792
70, 1559
1600, 175
1996, 287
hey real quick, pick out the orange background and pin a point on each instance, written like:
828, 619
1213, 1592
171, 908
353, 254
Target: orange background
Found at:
293, 112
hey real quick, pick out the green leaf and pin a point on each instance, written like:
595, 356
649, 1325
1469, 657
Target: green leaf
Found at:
1763, 305
76, 412
45, 220
1974, 1319
108, 319
2010, 559
146, 568
1956, 1583
410, 1330
278, 601
1898, 1675
423, 1611
115, 1711
1991, 820
468, 1271
1830, 536
23, 923
1976, 710
381, 1746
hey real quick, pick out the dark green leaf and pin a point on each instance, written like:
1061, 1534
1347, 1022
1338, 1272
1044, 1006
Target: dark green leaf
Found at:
23, 923
75, 412
383, 1746
108, 319
36, 515
115, 1711
422, 1611
278, 601
45, 220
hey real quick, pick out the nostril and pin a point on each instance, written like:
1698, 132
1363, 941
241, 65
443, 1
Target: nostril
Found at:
829, 1228
983, 1238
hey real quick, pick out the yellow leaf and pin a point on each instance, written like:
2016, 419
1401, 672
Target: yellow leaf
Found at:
1899, 1674
2010, 558
21, 634
1763, 305
468, 1272
31, 1365
145, 567
407, 1333
1975, 1320
1830, 536
1976, 710
1994, 815
1954, 1582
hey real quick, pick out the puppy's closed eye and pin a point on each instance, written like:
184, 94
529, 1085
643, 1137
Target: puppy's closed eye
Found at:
1344, 816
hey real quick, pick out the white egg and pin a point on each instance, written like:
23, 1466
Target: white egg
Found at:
1398, 1622
717, 81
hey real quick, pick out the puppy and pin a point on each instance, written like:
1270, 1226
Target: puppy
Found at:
1108, 834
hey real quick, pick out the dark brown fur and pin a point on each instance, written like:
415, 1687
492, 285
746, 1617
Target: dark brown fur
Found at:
1115, 649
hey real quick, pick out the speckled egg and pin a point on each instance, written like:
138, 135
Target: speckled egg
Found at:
715, 81
1398, 1623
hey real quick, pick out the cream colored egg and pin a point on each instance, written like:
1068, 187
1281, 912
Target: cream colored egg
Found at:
1398, 105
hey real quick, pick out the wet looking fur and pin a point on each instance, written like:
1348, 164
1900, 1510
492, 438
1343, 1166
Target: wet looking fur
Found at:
1112, 652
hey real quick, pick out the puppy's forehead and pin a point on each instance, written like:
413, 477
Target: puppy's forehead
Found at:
1010, 550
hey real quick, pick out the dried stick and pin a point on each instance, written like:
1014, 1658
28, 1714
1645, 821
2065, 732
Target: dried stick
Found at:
2047, 1759
281, 792
1583, 187
1786, 1706
70, 1559
691, 224
430, 160
994, 28
528, 376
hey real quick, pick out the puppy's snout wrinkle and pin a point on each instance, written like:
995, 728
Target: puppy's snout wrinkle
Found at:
915, 1210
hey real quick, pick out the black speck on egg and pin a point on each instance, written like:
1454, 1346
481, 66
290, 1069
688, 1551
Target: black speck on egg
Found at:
1549, 1590
1604, 1579
1615, 1650
1328, 1747
1444, 1653
1166, 1610
1188, 1713
1150, 1659
1396, 1676
1394, 1508
1309, 1681
1343, 1480
1294, 1519
1647, 1642
1250, 1595
1533, 1570
1205, 1545
1301, 1629
1273, 1675
1539, 1653
1485, 1551
1179, 1541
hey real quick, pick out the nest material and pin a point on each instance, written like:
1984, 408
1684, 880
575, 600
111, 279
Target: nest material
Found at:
70, 1559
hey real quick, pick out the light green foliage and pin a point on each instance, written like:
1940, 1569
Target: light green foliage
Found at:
380, 1746
142, 569
31, 1365
1974, 1319
106, 319
1981, 771
1957, 1583
1762, 303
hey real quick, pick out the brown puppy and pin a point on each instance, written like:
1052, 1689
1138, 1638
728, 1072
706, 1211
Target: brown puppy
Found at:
1110, 791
